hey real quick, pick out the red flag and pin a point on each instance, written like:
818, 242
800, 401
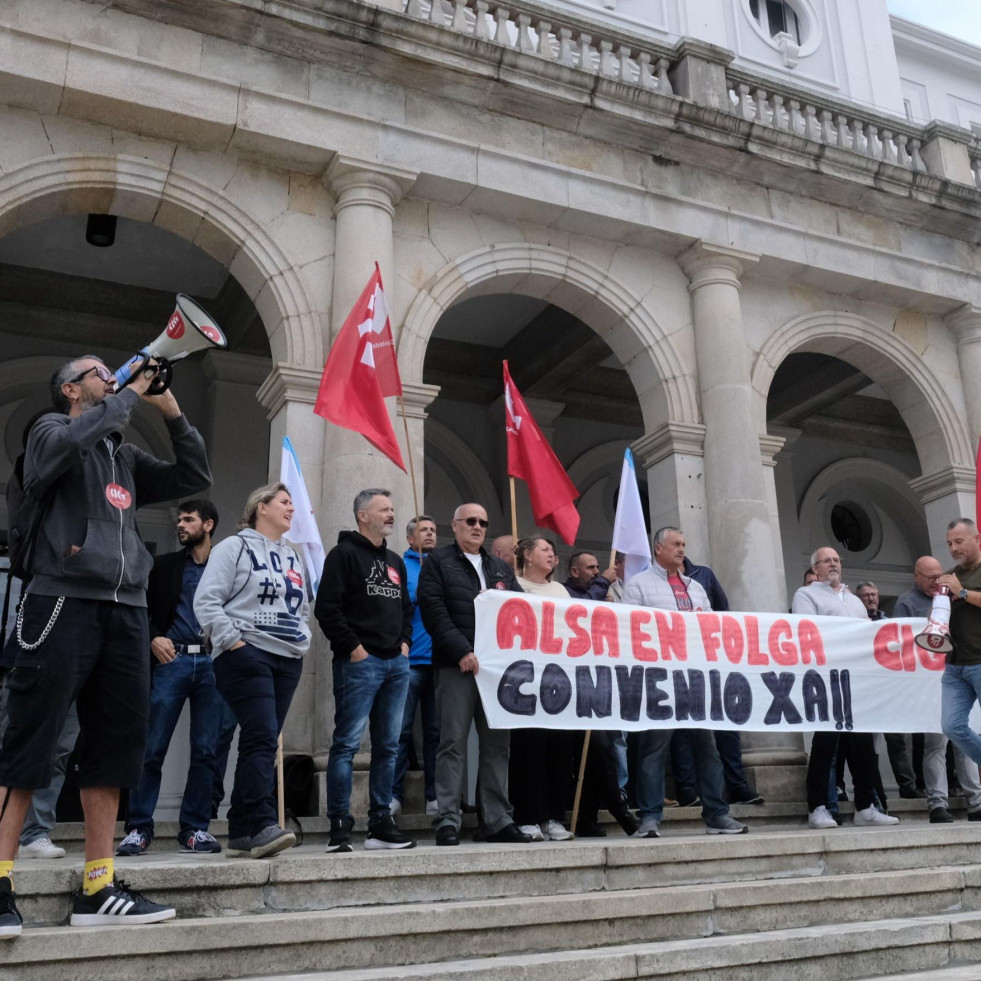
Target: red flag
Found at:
532, 460
361, 370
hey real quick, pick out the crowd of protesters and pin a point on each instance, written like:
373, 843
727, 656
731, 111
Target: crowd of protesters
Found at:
111, 643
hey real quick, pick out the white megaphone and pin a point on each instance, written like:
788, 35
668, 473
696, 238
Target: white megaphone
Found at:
935, 637
189, 329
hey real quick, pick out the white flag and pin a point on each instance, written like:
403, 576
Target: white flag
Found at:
629, 528
303, 531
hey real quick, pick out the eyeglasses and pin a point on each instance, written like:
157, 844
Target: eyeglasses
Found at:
473, 522
929, 578
101, 370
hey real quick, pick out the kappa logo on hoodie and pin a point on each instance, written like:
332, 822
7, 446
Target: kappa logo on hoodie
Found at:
383, 581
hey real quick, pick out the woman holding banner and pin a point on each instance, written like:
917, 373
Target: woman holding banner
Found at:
541, 767
252, 604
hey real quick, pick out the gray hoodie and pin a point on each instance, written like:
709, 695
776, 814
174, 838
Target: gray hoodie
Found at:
651, 588
254, 589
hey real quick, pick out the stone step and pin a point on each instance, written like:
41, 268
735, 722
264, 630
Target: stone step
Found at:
931, 946
316, 829
364, 910
307, 878
413, 948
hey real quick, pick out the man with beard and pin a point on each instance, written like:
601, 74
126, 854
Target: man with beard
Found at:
182, 672
82, 629
364, 610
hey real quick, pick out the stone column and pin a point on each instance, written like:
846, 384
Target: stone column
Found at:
672, 455
739, 528
945, 494
792, 548
288, 395
965, 324
366, 195
770, 446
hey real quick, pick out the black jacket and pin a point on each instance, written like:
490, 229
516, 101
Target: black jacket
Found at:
364, 598
163, 591
448, 585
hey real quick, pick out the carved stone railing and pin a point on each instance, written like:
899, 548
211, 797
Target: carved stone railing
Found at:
792, 110
566, 40
704, 74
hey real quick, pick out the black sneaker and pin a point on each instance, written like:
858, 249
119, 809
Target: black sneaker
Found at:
135, 843
10, 919
383, 833
239, 847
340, 834
270, 840
198, 841
940, 815
119, 905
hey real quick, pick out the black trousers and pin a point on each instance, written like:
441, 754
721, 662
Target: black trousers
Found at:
859, 747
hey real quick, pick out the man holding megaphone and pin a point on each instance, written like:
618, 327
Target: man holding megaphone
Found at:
82, 630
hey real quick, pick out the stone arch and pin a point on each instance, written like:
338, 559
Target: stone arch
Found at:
662, 382
465, 469
145, 190
933, 420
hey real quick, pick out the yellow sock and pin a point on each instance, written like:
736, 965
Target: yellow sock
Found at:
98, 875
7, 869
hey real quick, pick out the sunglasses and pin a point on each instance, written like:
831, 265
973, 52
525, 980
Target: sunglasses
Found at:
101, 370
473, 522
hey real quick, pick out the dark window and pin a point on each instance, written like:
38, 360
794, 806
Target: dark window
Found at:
851, 526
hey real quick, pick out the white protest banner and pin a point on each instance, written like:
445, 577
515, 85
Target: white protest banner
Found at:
576, 664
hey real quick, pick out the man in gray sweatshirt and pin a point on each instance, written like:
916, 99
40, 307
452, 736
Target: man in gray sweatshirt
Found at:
82, 629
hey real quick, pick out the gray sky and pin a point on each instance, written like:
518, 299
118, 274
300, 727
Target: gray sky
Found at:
961, 18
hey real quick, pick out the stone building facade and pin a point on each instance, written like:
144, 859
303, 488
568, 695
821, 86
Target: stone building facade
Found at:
722, 244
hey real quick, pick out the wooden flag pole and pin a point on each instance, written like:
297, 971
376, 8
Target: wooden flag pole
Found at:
585, 747
412, 468
280, 787
514, 514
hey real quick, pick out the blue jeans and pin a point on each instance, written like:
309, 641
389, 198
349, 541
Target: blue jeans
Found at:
960, 689
191, 678
421, 692
652, 750
369, 691
258, 687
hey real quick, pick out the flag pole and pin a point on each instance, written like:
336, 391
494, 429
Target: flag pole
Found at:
412, 469
514, 514
280, 788
585, 744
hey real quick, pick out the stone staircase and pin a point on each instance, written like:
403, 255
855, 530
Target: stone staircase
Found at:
776, 904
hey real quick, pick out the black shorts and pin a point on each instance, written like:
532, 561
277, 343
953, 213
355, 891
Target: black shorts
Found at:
95, 655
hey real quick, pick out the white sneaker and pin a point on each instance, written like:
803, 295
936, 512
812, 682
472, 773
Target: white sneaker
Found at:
873, 816
395, 808
432, 807
555, 831
532, 830
821, 819
42, 847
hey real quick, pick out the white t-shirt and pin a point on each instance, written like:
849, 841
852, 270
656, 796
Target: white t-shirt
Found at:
477, 563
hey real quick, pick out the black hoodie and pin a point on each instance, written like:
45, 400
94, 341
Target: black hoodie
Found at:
364, 599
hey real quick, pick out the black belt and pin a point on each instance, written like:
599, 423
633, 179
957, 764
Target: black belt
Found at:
191, 649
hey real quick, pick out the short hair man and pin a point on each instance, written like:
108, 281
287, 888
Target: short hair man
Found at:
961, 683
450, 580
868, 593
585, 579
503, 548
85, 611
182, 672
420, 534
829, 596
918, 602
364, 610
664, 586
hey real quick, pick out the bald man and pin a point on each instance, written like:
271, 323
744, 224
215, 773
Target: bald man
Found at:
503, 548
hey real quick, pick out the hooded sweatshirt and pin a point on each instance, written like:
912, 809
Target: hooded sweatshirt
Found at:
254, 590
364, 598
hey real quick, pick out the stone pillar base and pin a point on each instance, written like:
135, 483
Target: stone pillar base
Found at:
778, 783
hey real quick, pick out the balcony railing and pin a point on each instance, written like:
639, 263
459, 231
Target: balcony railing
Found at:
578, 42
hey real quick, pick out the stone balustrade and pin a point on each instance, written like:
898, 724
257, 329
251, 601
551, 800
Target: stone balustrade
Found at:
704, 74
870, 134
536, 30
